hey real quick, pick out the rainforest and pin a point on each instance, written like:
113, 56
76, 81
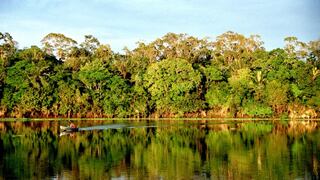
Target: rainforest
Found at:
177, 75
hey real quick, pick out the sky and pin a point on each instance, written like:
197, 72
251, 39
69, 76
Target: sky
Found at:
121, 23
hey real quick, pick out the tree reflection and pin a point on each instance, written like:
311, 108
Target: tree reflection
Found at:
187, 150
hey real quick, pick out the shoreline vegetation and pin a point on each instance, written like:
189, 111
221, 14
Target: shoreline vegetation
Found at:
200, 120
175, 76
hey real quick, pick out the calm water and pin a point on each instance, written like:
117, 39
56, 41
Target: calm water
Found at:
160, 150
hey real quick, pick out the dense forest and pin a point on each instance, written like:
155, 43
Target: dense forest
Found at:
176, 75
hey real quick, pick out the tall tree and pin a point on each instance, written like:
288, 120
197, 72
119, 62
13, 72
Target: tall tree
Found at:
58, 45
109, 92
172, 46
7, 47
235, 51
90, 43
173, 84
296, 48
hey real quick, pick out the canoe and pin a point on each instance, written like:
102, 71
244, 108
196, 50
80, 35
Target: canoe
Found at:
69, 129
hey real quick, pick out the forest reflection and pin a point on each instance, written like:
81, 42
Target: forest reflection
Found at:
166, 149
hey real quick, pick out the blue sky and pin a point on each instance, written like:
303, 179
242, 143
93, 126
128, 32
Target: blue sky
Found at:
124, 22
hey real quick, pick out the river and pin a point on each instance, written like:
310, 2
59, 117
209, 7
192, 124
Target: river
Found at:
165, 149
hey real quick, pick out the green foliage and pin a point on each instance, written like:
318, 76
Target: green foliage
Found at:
174, 75
173, 84
218, 94
255, 109
32, 54
90, 43
295, 90
241, 79
27, 89
213, 73
276, 93
314, 101
7, 47
108, 91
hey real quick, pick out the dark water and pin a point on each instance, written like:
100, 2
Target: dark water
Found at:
160, 150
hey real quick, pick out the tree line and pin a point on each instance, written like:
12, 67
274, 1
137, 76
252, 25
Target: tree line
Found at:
176, 75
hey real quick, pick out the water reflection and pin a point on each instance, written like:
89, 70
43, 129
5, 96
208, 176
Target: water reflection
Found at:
168, 149
67, 130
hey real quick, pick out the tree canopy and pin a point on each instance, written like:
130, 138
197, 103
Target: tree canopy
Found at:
177, 75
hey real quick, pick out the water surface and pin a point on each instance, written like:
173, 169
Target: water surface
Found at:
160, 150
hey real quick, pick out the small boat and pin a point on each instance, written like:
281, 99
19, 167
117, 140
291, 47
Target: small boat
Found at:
68, 129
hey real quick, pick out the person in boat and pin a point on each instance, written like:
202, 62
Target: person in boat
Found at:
72, 126
68, 130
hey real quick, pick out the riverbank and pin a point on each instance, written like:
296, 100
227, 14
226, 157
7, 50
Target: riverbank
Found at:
161, 119
292, 114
